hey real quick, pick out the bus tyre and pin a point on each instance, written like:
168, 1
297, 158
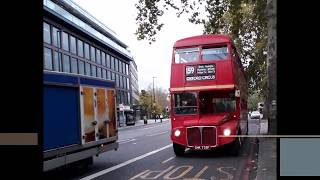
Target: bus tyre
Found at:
178, 149
236, 146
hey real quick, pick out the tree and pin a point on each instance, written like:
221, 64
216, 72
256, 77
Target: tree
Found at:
270, 104
253, 101
243, 20
146, 101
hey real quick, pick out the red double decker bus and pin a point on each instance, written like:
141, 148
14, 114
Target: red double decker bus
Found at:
208, 91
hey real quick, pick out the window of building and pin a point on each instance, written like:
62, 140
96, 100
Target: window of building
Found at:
56, 61
118, 97
86, 51
123, 97
98, 56
104, 74
55, 37
74, 66
112, 62
128, 83
128, 96
103, 58
92, 54
108, 60
65, 41
116, 63
88, 70
81, 66
127, 69
46, 33
120, 66
73, 45
66, 63
99, 72
93, 70
47, 59
113, 76
124, 68
117, 80
121, 82
80, 48
108, 75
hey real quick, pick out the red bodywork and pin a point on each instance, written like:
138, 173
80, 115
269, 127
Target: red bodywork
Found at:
229, 77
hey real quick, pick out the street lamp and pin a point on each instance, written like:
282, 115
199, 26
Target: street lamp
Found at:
154, 97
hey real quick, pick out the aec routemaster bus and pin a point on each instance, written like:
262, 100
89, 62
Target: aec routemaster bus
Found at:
208, 95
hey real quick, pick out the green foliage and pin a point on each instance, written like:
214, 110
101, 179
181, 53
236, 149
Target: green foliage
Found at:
253, 100
146, 101
243, 20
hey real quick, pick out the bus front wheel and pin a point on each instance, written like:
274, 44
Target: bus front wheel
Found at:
178, 149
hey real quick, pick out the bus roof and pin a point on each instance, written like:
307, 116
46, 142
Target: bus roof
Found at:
203, 40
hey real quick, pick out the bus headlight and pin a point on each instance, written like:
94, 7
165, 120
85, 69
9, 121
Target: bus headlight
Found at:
226, 132
177, 133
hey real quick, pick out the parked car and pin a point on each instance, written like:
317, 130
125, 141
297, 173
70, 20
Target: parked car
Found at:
255, 115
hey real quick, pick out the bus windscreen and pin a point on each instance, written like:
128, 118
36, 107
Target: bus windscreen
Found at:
185, 103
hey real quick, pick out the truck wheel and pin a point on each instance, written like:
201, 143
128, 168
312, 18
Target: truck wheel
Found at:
178, 149
82, 165
235, 146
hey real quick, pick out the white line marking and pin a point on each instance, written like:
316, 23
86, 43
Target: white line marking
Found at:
157, 133
124, 163
167, 160
155, 126
126, 141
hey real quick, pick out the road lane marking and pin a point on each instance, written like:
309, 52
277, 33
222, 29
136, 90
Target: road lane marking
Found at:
140, 174
149, 135
125, 163
147, 175
154, 126
196, 177
167, 176
167, 160
126, 141
201, 172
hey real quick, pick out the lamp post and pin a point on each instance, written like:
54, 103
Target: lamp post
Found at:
154, 98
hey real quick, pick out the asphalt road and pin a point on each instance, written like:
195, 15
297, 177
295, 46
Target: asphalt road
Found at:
146, 152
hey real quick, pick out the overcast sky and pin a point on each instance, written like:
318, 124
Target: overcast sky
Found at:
152, 60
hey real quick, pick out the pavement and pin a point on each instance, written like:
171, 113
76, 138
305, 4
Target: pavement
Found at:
141, 123
267, 155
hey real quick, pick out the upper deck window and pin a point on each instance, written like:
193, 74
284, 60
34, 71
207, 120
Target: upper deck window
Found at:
216, 53
186, 55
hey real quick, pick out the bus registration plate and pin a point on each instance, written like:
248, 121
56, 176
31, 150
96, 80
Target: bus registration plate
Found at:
201, 147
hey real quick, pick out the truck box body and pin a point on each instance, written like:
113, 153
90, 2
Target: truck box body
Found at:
79, 118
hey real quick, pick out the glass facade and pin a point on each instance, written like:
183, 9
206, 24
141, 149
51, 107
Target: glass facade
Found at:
68, 52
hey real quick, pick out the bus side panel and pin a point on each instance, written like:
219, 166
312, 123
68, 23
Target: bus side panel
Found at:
61, 116
112, 116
